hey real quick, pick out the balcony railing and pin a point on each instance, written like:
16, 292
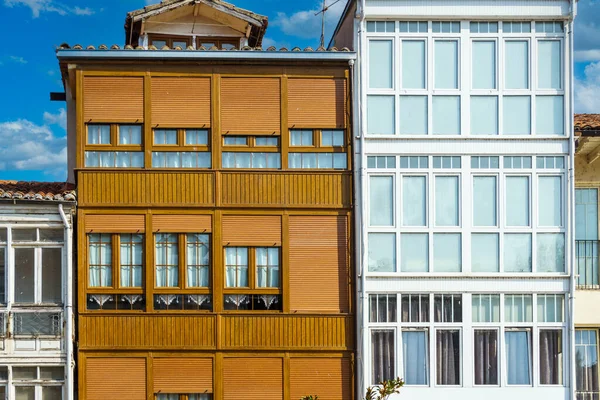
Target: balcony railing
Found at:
586, 259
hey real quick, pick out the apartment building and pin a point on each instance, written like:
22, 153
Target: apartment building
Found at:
215, 210
463, 162
587, 322
36, 318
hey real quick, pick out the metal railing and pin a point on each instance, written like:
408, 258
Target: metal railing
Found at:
586, 261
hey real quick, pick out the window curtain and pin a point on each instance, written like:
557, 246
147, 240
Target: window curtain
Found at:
197, 261
486, 357
448, 357
236, 273
415, 357
551, 355
586, 359
383, 360
100, 254
518, 357
167, 260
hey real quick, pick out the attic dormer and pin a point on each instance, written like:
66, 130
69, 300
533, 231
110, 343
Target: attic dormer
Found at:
195, 23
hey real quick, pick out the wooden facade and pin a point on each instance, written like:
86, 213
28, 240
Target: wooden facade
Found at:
304, 346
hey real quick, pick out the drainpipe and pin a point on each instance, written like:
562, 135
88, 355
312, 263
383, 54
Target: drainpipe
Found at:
68, 290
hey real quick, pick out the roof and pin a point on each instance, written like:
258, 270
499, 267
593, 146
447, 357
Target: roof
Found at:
37, 191
585, 122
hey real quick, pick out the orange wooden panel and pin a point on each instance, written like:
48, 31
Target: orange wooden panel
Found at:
251, 105
181, 223
318, 263
251, 230
317, 103
180, 102
115, 378
312, 375
114, 223
182, 375
113, 98
252, 378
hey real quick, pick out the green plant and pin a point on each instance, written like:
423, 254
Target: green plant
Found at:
311, 397
384, 390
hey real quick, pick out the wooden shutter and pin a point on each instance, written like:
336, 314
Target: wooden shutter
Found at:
115, 378
252, 378
318, 263
251, 106
114, 99
182, 102
114, 223
317, 103
260, 230
312, 375
182, 223
182, 375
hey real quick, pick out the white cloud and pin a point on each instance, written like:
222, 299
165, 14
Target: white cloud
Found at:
59, 119
306, 24
268, 42
586, 90
17, 59
48, 6
587, 55
25, 145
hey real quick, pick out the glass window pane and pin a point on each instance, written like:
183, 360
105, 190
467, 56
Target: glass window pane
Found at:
380, 63
517, 252
414, 200
446, 115
516, 65
383, 356
484, 252
486, 307
414, 253
24, 235
484, 201
517, 201
381, 201
484, 64
413, 115
517, 115
381, 115
551, 357
24, 275
415, 345
484, 115
448, 357
550, 201
518, 357
51, 275
24, 392
446, 64
382, 252
446, 200
586, 214
550, 252
549, 115
2, 279
52, 392
549, 68
486, 357
413, 64
518, 308
447, 252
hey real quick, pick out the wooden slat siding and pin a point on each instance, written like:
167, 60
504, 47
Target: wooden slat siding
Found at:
115, 378
286, 332
318, 264
253, 378
250, 106
182, 375
182, 223
97, 188
114, 223
113, 98
316, 103
150, 332
180, 102
331, 190
251, 230
312, 375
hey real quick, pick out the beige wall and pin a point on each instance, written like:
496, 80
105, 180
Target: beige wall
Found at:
586, 174
587, 307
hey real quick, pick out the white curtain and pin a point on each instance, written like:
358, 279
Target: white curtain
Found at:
236, 273
173, 159
415, 357
197, 260
107, 159
309, 160
167, 260
259, 160
518, 359
100, 261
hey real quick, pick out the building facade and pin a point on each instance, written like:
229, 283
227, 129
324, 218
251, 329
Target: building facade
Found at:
463, 112
36, 316
587, 322
215, 213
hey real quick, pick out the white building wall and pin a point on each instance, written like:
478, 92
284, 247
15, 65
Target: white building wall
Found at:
466, 283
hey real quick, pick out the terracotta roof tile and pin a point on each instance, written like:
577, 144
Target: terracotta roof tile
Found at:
40, 191
587, 122
103, 47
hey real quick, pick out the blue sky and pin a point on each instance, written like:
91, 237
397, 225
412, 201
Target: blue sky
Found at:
32, 128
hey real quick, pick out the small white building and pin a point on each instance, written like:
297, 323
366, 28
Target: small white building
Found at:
465, 196
36, 291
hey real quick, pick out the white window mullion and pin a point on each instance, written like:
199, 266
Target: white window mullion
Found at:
465, 77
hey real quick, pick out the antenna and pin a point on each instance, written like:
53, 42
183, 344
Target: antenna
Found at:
323, 11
